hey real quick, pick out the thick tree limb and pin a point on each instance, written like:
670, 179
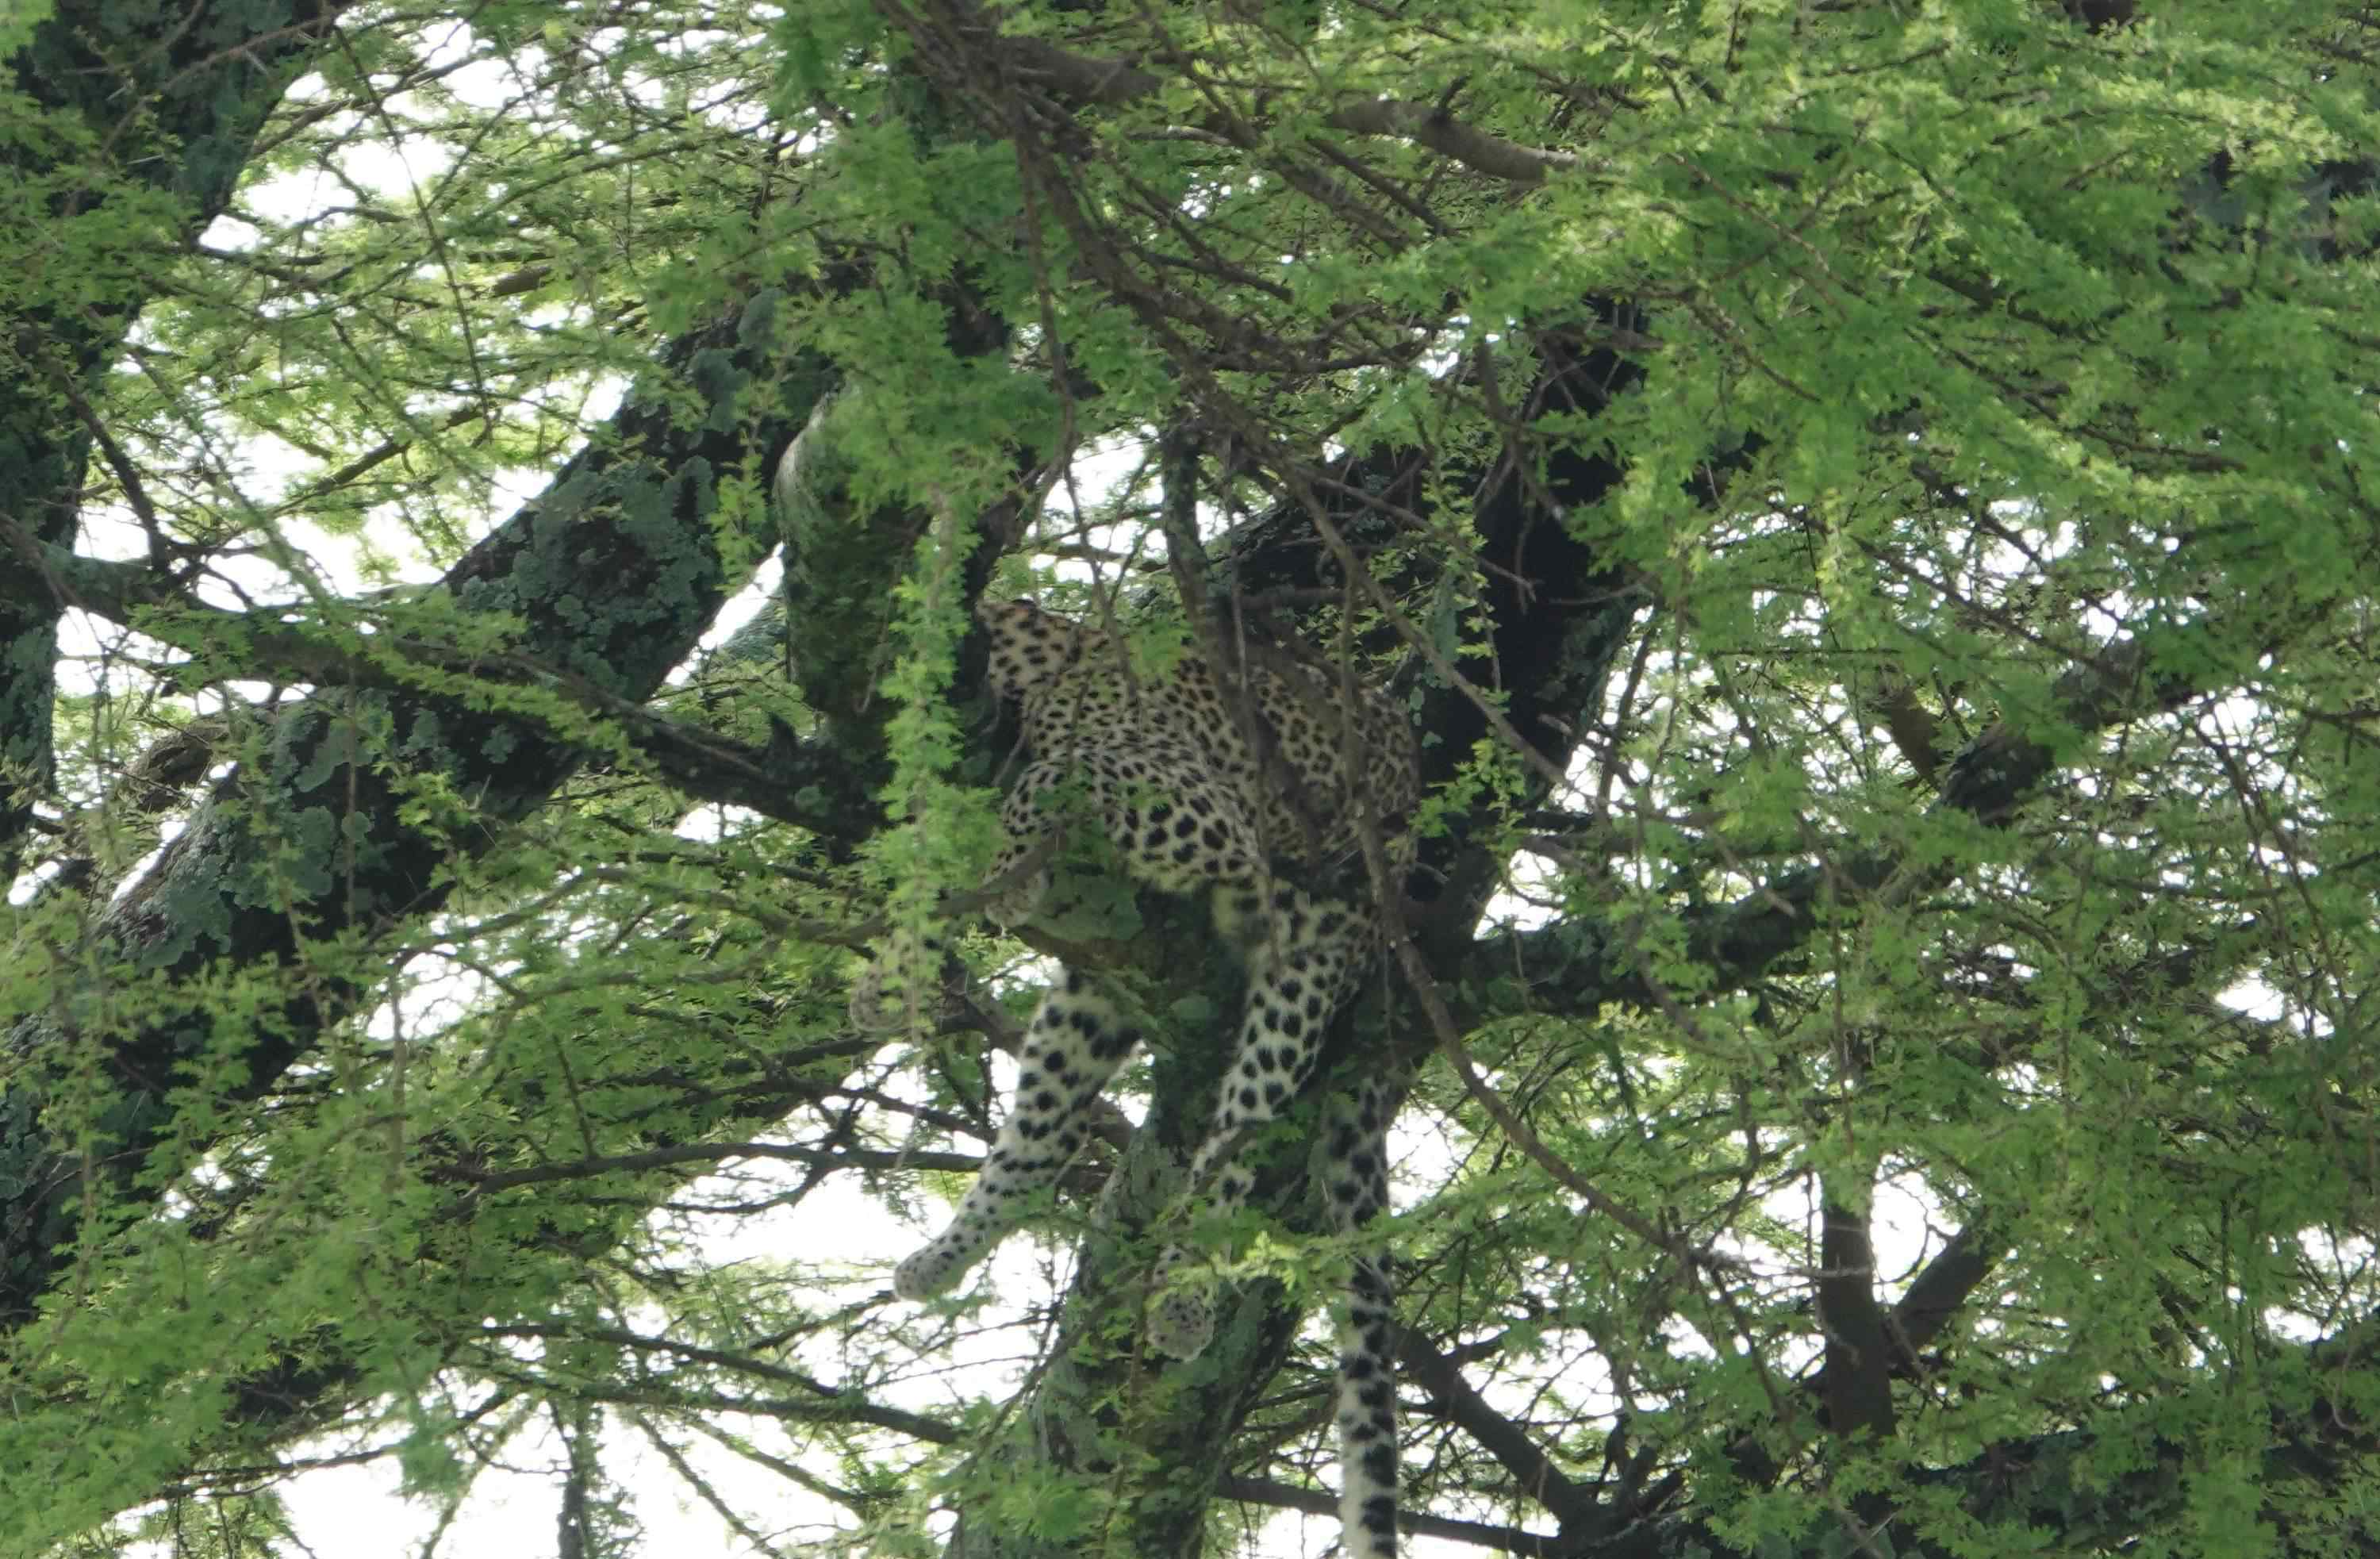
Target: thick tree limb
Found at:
611, 600
807, 784
1857, 1379
1941, 1289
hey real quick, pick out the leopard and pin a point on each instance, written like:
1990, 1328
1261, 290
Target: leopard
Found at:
1245, 786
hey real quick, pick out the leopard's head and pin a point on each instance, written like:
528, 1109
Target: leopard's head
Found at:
1028, 646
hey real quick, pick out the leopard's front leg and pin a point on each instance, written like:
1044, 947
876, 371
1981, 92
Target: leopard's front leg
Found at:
1074, 1045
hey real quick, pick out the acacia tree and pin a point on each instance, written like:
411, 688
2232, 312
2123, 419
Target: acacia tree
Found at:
1864, 503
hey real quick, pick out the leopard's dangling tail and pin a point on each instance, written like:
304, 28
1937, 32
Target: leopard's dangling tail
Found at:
1356, 1182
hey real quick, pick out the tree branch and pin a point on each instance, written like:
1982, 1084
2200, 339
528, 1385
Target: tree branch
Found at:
1318, 1502
1857, 1382
1533, 1473
1574, 965
1093, 81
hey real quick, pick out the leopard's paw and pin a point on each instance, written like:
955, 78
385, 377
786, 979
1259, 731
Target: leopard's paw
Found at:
900, 990
1181, 1312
